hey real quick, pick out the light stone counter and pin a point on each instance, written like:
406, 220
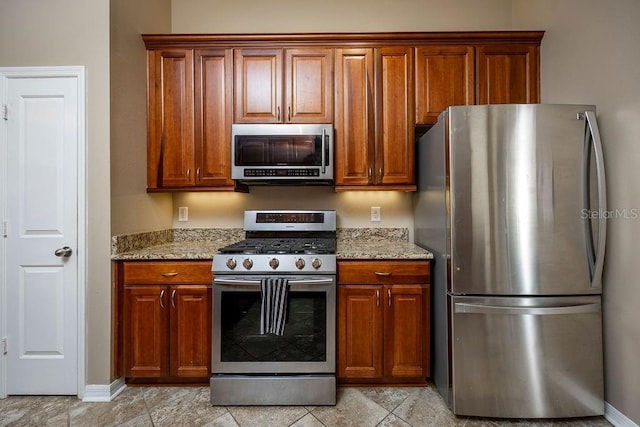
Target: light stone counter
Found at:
203, 244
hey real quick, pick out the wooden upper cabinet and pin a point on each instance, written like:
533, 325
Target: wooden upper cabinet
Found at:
373, 87
395, 135
354, 117
189, 119
445, 76
308, 85
508, 74
214, 115
374, 118
283, 85
258, 85
170, 150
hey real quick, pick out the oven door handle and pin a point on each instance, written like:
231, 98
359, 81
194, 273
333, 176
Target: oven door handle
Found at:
243, 282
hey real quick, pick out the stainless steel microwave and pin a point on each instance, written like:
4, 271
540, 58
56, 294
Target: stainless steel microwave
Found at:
282, 153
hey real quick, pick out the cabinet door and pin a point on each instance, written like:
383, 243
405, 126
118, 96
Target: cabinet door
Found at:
258, 86
444, 77
508, 74
354, 117
360, 331
171, 161
213, 117
190, 331
395, 135
308, 85
146, 331
406, 331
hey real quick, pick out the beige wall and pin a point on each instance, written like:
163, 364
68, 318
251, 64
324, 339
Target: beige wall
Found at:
132, 209
286, 16
228, 16
353, 207
76, 32
590, 55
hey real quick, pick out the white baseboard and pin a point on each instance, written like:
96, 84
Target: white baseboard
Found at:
103, 393
616, 417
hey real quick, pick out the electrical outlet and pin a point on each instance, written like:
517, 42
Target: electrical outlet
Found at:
183, 213
375, 213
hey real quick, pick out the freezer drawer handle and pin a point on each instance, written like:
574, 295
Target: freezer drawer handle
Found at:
463, 307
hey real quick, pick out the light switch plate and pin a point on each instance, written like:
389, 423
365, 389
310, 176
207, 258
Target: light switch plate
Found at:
183, 213
375, 213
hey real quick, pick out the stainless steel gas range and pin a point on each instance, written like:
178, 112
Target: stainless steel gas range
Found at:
274, 302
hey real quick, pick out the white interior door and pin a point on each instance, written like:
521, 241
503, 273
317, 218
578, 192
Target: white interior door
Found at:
43, 127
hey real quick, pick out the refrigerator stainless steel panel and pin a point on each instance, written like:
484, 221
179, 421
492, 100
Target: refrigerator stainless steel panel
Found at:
517, 200
527, 357
506, 199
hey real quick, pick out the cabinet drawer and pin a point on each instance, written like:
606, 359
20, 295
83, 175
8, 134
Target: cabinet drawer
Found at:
194, 272
383, 271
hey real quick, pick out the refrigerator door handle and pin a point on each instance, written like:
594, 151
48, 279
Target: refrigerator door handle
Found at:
464, 307
595, 255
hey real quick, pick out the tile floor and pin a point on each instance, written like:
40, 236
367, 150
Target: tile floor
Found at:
189, 406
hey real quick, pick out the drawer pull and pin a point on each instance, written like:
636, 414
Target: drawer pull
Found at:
173, 299
389, 296
162, 298
171, 274
380, 273
377, 298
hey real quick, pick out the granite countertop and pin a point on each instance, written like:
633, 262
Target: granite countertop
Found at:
203, 244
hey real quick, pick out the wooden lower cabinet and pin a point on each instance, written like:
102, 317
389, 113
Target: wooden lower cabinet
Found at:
166, 321
383, 322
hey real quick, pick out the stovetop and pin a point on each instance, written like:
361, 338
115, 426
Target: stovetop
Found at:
282, 246
282, 242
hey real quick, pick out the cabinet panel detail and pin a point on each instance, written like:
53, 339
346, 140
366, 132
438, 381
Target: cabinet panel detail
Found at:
445, 76
508, 74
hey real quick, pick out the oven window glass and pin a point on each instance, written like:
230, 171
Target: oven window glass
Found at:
304, 338
298, 150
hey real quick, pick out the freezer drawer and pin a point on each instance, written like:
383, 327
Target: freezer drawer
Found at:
537, 357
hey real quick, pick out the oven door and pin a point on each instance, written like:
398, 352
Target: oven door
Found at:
308, 342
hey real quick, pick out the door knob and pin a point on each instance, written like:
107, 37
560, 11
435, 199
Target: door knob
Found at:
64, 252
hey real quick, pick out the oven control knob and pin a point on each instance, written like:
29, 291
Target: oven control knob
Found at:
316, 263
231, 263
274, 263
247, 263
300, 263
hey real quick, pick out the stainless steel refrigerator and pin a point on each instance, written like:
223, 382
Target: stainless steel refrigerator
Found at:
512, 202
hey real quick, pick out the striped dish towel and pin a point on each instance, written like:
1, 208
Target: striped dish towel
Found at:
273, 308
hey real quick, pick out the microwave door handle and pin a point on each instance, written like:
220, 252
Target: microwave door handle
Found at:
324, 162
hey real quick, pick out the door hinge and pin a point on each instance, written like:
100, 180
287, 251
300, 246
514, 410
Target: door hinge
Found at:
5, 112
4, 228
4, 346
